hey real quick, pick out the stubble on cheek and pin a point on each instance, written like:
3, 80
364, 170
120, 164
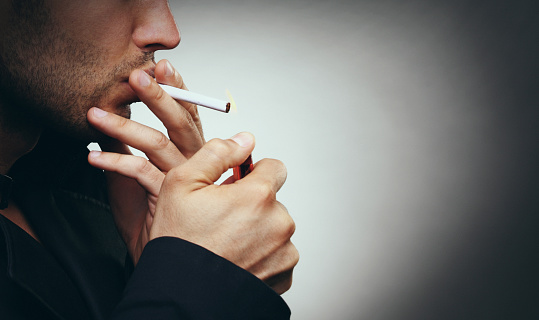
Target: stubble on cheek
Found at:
48, 76
57, 79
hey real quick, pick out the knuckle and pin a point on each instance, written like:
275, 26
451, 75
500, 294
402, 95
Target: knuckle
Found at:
123, 122
115, 159
277, 167
159, 94
215, 143
143, 166
280, 168
284, 225
264, 191
160, 141
291, 227
178, 79
288, 226
176, 174
195, 116
283, 169
180, 125
294, 256
217, 147
277, 164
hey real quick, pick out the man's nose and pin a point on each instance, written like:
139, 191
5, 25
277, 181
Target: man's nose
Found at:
154, 27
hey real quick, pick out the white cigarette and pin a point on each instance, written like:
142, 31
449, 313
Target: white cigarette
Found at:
196, 98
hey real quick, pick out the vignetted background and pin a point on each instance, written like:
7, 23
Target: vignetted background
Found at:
410, 131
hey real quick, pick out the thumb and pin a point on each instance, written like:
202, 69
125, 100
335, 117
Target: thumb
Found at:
215, 158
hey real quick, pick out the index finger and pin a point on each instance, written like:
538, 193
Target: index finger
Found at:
182, 128
165, 73
214, 159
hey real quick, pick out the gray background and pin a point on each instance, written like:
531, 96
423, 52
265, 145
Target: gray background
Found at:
409, 129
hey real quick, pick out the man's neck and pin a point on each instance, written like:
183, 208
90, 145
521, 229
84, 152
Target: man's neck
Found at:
18, 136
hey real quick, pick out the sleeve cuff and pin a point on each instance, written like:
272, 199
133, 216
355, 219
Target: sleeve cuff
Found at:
176, 279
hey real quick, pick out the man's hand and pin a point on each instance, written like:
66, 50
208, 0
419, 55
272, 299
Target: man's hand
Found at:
242, 221
239, 220
134, 182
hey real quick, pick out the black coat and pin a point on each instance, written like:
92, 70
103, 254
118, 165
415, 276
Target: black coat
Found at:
79, 269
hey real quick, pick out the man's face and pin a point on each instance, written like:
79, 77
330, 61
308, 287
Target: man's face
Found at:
59, 58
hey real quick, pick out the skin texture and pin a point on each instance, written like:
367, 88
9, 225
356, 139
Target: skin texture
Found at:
74, 67
86, 50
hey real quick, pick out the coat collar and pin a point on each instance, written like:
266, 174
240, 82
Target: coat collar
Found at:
36, 271
64, 200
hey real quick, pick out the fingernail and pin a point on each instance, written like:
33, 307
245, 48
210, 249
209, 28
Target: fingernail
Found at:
100, 113
169, 70
144, 79
243, 139
95, 154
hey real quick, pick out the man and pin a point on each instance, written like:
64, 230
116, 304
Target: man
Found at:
69, 70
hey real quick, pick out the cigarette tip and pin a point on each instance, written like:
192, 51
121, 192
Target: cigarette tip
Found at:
232, 104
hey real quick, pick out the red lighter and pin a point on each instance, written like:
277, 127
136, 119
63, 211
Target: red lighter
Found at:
243, 169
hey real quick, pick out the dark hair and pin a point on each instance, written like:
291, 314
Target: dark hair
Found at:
33, 12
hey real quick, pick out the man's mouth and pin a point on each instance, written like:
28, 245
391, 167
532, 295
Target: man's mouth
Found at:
150, 71
129, 94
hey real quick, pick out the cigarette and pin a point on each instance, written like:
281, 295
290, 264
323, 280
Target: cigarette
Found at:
196, 98
243, 169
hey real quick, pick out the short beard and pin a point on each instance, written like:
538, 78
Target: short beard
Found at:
30, 10
51, 79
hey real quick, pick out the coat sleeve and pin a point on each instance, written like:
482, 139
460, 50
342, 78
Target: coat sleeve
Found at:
176, 279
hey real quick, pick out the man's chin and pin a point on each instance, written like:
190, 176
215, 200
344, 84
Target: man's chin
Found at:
92, 135
83, 131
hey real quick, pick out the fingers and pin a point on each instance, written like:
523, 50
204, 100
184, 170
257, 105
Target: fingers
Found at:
267, 173
276, 271
140, 169
166, 74
214, 159
282, 282
242, 221
183, 130
181, 120
159, 149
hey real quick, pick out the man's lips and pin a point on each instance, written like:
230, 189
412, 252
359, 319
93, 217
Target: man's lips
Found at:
124, 94
129, 93
149, 71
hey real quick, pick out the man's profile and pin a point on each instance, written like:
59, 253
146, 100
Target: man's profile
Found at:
107, 235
